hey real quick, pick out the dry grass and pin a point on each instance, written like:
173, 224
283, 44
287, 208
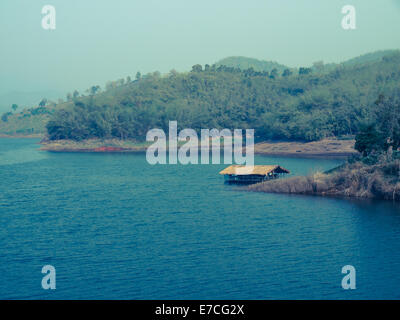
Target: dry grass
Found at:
92, 144
379, 181
322, 148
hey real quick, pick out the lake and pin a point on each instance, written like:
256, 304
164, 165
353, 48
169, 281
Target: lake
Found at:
115, 227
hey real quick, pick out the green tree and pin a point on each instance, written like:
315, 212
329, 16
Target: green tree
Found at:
302, 108
318, 66
388, 119
197, 68
43, 102
369, 139
304, 71
14, 107
5, 116
94, 89
287, 73
274, 73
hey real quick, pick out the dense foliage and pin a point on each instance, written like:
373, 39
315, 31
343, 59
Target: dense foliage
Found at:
383, 134
374, 173
244, 63
290, 105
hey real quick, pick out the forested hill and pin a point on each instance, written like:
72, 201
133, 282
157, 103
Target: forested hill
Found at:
306, 104
319, 66
247, 63
370, 57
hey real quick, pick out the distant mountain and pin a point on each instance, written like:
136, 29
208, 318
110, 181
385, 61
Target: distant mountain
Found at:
357, 61
244, 63
370, 57
26, 99
262, 65
304, 104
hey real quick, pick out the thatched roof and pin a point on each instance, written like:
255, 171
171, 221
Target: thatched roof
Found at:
258, 170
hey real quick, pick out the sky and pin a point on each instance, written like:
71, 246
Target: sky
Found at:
100, 40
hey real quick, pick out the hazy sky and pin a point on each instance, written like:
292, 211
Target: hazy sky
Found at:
100, 40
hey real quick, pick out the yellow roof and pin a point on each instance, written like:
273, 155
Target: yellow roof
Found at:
248, 170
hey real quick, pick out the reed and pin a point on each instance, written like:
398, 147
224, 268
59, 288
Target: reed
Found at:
359, 180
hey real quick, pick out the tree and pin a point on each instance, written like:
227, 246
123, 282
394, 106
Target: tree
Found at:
138, 75
318, 66
273, 74
14, 107
304, 71
75, 94
388, 119
94, 89
5, 116
368, 140
287, 73
173, 73
306, 108
43, 102
197, 68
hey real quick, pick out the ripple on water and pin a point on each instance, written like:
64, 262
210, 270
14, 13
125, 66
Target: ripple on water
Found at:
116, 227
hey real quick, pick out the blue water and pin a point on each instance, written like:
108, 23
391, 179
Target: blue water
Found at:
115, 227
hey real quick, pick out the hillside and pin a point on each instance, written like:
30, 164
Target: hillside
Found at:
30, 121
263, 65
25, 99
360, 60
370, 57
301, 106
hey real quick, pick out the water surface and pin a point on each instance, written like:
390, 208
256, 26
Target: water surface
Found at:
115, 227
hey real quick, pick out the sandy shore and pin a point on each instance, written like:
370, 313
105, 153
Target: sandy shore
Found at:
324, 148
29, 136
94, 145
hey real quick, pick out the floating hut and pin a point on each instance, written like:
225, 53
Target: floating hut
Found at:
252, 174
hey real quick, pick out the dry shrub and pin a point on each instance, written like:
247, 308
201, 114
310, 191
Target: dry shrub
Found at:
379, 181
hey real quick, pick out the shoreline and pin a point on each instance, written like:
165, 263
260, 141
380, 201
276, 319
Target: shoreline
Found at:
327, 148
353, 180
20, 136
